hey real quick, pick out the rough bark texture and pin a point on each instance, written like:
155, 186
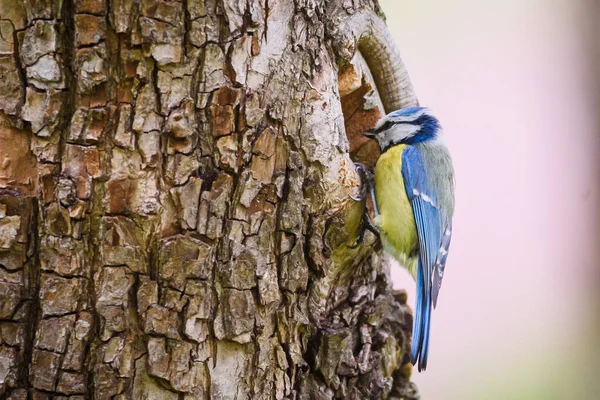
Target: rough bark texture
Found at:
174, 214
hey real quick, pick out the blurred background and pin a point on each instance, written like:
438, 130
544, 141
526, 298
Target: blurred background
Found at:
516, 86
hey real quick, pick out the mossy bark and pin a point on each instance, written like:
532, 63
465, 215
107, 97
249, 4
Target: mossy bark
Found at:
174, 214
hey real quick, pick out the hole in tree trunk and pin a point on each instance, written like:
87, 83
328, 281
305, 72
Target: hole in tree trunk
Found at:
362, 109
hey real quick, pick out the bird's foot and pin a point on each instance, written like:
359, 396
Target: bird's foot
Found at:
366, 185
365, 225
366, 181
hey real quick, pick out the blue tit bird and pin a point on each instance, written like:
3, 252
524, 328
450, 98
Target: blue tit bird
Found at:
413, 200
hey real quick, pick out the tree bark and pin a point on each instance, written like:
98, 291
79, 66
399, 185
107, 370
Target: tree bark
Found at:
174, 213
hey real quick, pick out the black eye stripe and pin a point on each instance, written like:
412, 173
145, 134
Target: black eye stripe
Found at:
419, 121
388, 124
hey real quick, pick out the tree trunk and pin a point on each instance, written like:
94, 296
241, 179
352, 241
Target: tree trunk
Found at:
174, 213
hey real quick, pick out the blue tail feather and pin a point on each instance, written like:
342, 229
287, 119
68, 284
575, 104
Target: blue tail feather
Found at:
420, 339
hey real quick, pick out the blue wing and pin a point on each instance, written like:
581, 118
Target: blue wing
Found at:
431, 227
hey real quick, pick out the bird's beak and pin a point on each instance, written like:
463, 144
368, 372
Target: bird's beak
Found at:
370, 134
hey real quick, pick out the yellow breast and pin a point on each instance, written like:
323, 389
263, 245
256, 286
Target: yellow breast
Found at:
396, 221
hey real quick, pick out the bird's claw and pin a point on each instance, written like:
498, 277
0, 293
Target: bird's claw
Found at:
365, 225
360, 197
359, 241
370, 227
366, 185
365, 181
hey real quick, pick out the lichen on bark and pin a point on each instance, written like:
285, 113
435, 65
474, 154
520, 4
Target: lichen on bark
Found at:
174, 213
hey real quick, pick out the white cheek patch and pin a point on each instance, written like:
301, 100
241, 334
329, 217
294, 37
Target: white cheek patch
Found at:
404, 130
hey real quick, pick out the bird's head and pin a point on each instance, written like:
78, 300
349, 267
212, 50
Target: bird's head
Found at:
406, 126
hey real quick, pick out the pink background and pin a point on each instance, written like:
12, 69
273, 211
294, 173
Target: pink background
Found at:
515, 85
